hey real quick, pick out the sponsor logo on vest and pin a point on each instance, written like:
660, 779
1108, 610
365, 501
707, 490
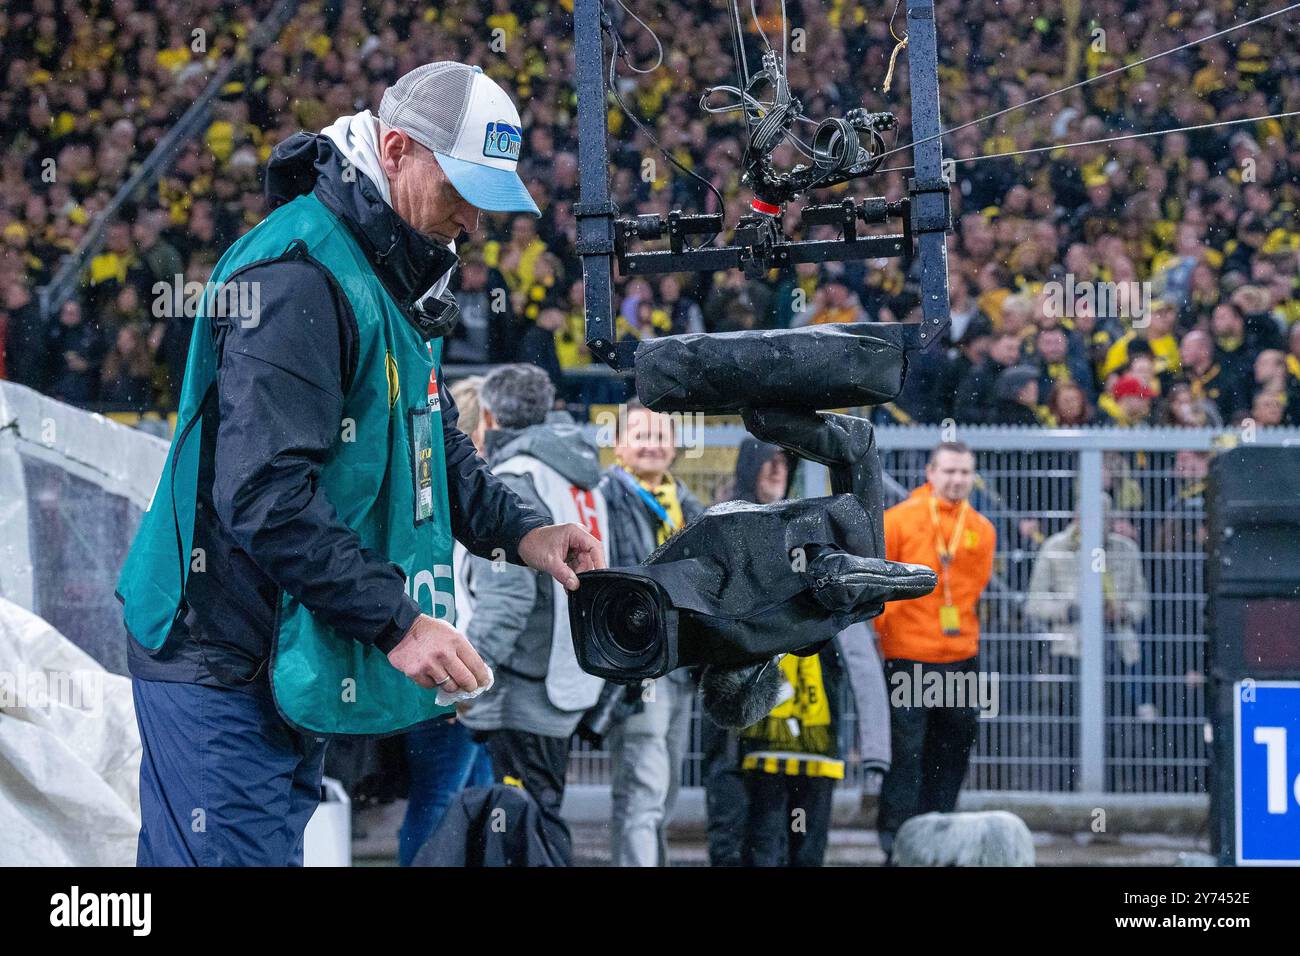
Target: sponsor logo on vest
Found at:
74, 908
390, 368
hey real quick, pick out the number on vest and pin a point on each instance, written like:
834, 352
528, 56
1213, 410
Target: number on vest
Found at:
444, 602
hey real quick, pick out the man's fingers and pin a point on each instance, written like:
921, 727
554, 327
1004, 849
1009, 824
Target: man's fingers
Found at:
458, 673
469, 657
424, 680
564, 574
585, 552
590, 559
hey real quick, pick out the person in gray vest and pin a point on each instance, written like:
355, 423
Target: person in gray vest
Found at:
646, 506
291, 579
520, 619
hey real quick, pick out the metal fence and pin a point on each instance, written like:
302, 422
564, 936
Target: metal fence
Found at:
1126, 711
1127, 714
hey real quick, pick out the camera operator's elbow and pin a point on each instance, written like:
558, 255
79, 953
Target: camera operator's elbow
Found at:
259, 510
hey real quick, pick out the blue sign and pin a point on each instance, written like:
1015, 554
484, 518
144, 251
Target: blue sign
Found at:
1267, 728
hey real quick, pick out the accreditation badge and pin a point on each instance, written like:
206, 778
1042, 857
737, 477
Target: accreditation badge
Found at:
435, 403
950, 620
422, 462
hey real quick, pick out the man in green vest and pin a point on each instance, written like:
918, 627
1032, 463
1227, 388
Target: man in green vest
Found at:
291, 580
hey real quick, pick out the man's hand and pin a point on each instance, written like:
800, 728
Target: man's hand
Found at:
562, 551
434, 654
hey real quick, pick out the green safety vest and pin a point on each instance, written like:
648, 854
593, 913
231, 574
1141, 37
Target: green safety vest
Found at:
392, 493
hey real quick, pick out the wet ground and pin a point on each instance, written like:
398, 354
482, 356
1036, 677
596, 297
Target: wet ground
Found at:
375, 844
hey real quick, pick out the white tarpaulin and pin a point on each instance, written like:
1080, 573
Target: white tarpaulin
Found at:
72, 488
69, 751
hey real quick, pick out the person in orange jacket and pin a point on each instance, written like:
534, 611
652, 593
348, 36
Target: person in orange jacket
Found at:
931, 732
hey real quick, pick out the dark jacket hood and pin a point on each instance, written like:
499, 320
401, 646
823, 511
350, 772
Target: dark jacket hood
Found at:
407, 262
557, 442
753, 455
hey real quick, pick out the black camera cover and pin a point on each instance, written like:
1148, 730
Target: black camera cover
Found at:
737, 585
831, 366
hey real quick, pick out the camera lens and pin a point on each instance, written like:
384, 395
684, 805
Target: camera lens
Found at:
624, 626
629, 619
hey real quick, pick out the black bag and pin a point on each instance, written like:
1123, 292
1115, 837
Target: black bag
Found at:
499, 825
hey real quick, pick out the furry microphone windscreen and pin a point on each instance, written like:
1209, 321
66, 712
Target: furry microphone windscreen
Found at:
738, 697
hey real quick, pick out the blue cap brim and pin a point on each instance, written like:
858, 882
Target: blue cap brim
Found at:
489, 188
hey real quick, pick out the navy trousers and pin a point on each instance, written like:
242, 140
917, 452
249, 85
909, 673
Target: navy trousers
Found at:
224, 781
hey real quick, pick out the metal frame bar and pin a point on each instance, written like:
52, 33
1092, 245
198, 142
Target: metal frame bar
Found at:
923, 241
731, 257
930, 216
1092, 625
982, 437
595, 212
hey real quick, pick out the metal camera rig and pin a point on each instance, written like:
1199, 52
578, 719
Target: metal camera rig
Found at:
842, 149
735, 601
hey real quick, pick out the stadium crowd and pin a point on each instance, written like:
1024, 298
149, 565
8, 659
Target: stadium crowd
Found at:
1201, 227
1153, 280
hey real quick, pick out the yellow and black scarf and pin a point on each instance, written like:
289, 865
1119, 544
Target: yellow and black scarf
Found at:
799, 736
666, 494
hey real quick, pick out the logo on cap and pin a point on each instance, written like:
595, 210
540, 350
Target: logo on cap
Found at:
503, 141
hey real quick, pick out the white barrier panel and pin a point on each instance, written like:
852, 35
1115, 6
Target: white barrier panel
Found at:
69, 752
328, 838
72, 488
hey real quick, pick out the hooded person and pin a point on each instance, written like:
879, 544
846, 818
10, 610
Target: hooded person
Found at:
789, 757
790, 760
291, 580
974, 400
763, 474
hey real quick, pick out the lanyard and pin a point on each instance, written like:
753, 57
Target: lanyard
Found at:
946, 549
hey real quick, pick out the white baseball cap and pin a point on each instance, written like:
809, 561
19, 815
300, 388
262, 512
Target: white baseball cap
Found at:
467, 121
